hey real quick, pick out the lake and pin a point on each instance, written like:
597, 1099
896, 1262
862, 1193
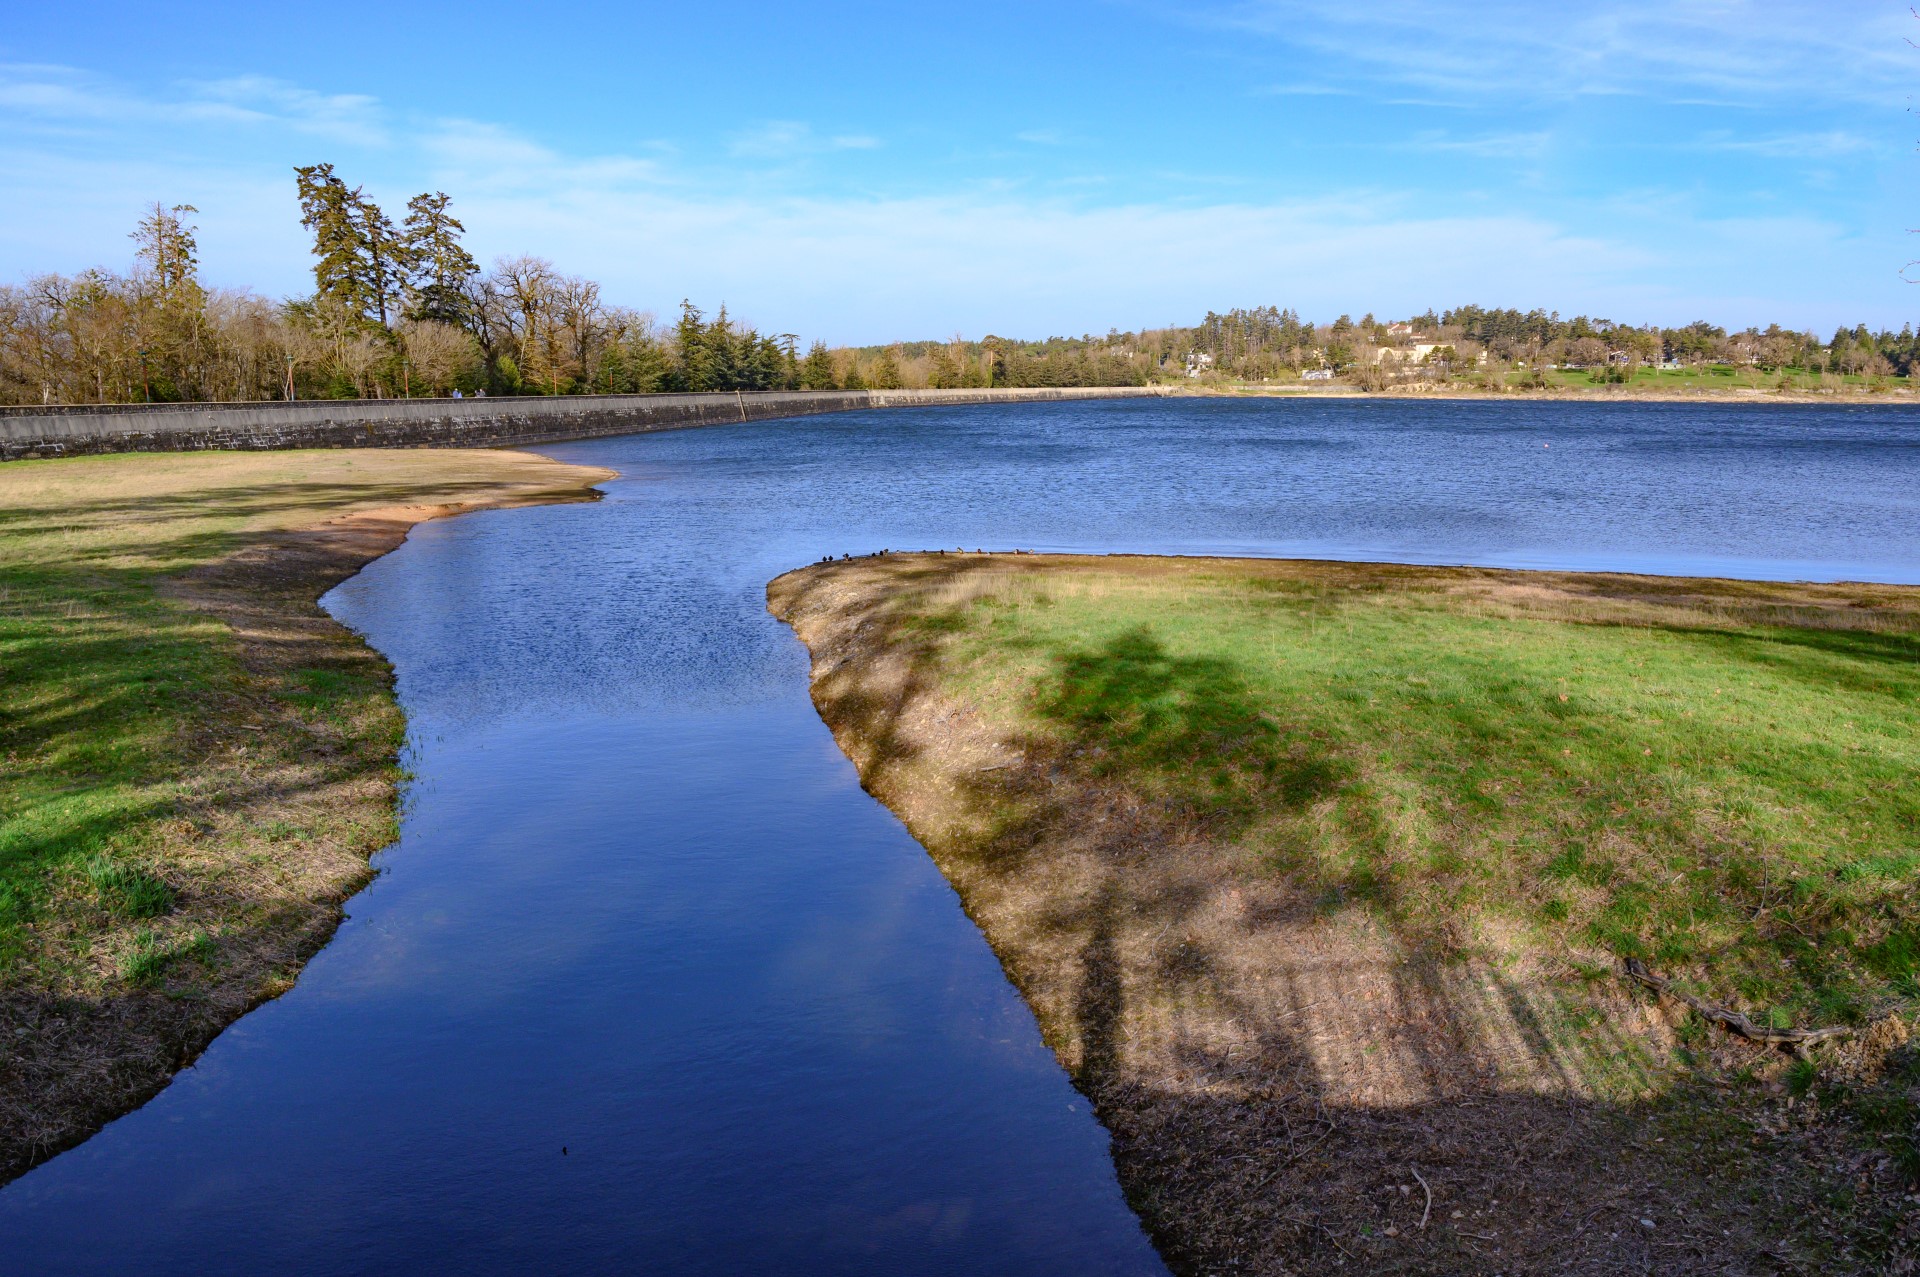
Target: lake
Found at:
650, 984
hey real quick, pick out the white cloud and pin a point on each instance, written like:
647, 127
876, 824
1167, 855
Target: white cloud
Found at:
469, 154
1301, 91
67, 95
351, 118
1818, 51
1829, 145
792, 139
1491, 146
655, 227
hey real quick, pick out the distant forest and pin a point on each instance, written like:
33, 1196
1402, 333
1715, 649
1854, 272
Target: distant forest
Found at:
402, 310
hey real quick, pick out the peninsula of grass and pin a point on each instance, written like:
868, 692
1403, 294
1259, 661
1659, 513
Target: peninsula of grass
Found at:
1322, 875
198, 762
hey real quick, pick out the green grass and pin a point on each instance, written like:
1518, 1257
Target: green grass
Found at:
1730, 797
102, 677
121, 701
1725, 377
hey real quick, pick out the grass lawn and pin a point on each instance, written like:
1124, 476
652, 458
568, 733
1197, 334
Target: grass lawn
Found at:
1315, 871
197, 762
1717, 778
1725, 377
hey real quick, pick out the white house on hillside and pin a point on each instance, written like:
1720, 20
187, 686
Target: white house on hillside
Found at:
1416, 353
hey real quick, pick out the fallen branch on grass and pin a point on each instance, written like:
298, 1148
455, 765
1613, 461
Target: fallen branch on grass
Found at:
1797, 1040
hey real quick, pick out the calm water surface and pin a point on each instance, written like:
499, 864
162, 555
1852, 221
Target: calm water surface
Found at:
650, 984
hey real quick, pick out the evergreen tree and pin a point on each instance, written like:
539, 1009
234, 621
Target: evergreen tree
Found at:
326, 209
944, 372
167, 246
169, 321
438, 268
817, 372
723, 354
886, 370
384, 257
359, 261
696, 363
770, 365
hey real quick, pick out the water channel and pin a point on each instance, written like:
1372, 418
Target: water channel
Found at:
650, 984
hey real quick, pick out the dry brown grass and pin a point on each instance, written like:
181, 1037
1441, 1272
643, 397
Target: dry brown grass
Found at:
1285, 1082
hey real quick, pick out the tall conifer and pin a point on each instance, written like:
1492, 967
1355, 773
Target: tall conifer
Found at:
438, 267
817, 372
328, 210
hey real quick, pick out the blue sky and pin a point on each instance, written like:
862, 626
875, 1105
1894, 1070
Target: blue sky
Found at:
871, 172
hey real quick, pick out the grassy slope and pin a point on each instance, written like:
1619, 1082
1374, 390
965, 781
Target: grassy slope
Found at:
1723, 377
1313, 872
197, 763
1693, 785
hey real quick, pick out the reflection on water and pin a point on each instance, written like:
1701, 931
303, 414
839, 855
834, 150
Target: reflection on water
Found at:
649, 983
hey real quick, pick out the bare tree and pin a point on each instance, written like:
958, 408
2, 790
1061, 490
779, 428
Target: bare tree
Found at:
440, 354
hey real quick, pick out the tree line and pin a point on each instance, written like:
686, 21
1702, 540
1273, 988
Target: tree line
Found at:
402, 309
1262, 343
397, 310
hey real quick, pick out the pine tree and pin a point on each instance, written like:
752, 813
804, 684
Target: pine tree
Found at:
384, 256
944, 372
770, 365
886, 371
438, 268
359, 268
817, 372
170, 318
723, 354
328, 209
167, 246
696, 360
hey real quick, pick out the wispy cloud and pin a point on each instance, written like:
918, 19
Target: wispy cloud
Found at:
57, 94
1715, 50
1830, 145
790, 139
352, 118
1042, 137
473, 152
1301, 91
1491, 146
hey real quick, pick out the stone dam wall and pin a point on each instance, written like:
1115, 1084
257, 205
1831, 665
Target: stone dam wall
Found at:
68, 431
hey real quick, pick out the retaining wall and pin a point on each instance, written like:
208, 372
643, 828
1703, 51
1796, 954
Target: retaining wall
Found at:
446, 423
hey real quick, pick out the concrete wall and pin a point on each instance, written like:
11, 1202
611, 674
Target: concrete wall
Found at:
443, 423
